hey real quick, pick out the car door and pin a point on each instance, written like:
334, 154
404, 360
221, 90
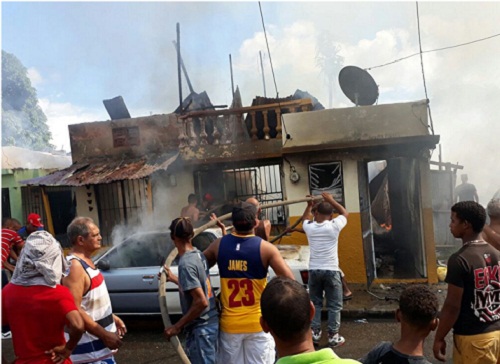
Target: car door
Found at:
131, 271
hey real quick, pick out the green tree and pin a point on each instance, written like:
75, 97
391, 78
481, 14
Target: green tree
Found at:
23, 122
329, 61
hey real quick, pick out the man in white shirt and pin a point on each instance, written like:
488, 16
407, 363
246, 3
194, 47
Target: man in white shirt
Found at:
324, 272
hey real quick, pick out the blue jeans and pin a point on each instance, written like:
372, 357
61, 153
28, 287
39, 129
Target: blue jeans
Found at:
329, 282
202, 342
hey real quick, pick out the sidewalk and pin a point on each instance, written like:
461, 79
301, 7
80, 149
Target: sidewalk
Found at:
382, 300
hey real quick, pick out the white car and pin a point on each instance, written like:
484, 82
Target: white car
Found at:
131, 269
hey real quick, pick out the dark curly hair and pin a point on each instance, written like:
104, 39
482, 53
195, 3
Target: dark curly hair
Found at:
285, 308
472, 212
181, 228
418, 305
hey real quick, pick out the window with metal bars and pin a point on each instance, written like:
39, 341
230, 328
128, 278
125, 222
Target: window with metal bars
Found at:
120, 203
227, 186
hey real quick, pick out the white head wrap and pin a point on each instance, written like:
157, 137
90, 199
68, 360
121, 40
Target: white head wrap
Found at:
41, 263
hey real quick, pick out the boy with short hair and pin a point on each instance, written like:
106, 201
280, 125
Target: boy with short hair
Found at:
199, 321
417, 313
287, 312
471, 306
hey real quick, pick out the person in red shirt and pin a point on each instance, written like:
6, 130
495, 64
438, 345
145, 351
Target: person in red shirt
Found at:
37, 307
10, 238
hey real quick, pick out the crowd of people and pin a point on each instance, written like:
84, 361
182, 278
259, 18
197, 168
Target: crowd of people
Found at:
59, 311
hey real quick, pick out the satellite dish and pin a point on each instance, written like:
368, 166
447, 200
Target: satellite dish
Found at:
358, 85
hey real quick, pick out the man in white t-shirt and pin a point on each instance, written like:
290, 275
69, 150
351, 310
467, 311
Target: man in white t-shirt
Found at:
324, 272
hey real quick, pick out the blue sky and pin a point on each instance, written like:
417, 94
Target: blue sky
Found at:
81, 53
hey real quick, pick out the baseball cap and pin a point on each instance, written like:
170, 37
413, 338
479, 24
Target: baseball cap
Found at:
243, 216
35, 220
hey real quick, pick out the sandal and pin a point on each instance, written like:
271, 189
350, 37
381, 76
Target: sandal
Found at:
347, 298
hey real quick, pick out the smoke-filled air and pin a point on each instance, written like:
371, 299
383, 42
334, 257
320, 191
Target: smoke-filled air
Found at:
77, 55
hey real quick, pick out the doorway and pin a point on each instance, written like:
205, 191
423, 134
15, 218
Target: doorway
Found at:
392, 229
5, 203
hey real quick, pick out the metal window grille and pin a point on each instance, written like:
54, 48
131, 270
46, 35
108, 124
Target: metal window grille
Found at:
120, 203
261, 182
32, 202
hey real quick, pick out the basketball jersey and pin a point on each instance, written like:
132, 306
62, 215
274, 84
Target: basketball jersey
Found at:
243, 277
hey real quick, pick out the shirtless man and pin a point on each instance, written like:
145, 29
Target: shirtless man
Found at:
191, 211
263, 227
491, 232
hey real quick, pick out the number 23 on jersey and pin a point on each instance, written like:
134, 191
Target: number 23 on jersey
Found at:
242, 292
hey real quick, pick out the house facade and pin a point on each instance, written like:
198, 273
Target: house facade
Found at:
19, 164
374, 159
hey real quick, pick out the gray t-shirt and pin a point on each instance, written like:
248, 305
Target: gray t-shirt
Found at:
384, 353
193, 273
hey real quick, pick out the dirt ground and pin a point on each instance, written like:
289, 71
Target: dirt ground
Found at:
381, 299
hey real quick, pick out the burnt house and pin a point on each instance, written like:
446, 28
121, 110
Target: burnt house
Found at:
374, 159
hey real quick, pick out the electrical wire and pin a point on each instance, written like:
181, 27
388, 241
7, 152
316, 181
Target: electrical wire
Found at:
274, 77
422, 66
433, 50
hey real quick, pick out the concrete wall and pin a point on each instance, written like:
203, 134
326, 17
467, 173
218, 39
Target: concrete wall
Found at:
168, 200
351, 253
86, 204
157, 133
355, 124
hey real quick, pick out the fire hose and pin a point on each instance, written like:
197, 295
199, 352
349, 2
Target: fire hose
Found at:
162, 292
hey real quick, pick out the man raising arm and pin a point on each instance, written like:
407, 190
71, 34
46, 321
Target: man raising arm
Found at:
244, 260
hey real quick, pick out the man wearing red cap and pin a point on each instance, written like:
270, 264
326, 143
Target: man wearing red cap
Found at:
34, 223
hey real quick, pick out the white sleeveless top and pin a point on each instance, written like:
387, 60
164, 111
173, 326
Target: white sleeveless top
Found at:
97, 304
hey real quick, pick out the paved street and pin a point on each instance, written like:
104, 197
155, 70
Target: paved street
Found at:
144, 344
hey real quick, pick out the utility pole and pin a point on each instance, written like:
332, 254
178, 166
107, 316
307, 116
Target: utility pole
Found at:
231, 68
179, 66
184, 68
262, 69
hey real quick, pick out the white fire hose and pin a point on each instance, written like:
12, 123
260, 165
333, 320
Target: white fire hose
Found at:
162, 292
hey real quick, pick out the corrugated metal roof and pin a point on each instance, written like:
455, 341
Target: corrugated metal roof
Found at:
99, 171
